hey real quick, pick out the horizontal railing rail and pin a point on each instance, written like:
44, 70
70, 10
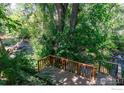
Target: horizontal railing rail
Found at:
86, 70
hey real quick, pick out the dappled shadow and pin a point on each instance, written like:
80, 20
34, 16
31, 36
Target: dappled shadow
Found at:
61, 77
105, 79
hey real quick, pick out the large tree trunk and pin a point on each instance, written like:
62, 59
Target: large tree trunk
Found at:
73, 19
61, 12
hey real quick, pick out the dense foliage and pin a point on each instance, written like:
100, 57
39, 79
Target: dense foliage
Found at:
82, 32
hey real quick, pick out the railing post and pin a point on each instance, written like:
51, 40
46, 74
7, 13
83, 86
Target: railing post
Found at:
38, 65
94, 73
78, 69
63, 63
50, 60
119, 71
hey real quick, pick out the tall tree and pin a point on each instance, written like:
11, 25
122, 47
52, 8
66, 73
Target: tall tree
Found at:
61, 12
73, 19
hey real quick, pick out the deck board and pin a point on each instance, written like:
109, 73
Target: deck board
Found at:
62, 77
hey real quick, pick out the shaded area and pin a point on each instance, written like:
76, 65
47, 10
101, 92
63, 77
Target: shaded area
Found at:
61, 77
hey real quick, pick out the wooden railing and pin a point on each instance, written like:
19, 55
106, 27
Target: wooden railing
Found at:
110, 68
85, 70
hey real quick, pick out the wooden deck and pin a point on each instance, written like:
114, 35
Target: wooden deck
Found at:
86, 70
63, 71
61, 77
